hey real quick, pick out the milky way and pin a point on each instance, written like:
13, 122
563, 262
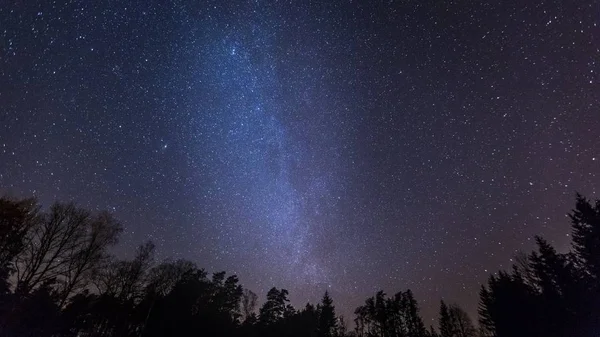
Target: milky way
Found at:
255, 155
339, 145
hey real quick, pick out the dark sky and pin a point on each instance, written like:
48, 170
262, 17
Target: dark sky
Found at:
343, 145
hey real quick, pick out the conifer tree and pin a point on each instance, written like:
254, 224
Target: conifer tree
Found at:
327, 318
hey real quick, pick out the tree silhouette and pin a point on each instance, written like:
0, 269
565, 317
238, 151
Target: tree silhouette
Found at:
585, 220
395, 316
454, 322
62, 247
446, 329
102, 232
57, 279
327, 318
585, 232
125, 279
549, 294
49, 246
275, 307
414, 324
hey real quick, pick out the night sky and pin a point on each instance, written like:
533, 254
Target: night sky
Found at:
347, 146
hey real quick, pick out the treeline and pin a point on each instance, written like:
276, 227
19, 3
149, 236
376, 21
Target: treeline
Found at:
57, 278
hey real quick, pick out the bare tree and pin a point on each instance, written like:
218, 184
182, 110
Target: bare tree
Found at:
463, 326
162, 278
49, 244
62, 247
101, 232
126, 280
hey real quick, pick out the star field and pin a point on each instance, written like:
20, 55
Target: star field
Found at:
340, 145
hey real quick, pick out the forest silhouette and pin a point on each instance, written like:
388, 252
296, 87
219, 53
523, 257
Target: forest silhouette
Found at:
58, 278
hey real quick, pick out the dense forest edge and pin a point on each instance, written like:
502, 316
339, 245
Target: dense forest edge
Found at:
58, 278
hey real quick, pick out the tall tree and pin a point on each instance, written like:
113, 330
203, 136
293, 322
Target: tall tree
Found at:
101, 233
274, 308
584, 299
498, 313
49, 246
487, 326
327, 319
63, 247
412, 320
445, 321
585, 224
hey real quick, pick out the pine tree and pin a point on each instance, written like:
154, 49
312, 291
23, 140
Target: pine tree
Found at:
275, 307
412, 320
585, 223
486, 322
445, 321
327, 318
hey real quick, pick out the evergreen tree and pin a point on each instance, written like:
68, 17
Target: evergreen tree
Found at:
412, 320
585, 297
546, 293
557, 294
327, 318
445, 321
486, 320
585, 224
